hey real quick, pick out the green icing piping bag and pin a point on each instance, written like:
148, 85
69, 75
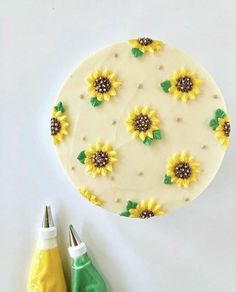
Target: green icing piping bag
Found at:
85, 277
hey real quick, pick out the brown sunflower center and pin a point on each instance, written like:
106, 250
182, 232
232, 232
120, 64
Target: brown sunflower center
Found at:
144, 41
184, 84
100, 159
226, 128
182, 170
55, 126
142, 123
102, 84
146, 214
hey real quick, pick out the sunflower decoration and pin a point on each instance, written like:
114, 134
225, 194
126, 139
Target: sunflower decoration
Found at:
98, 159
143, 123
183, 85
59, 123
102, 85
221, 125
90, 196
143, 45
181, 170
144, 209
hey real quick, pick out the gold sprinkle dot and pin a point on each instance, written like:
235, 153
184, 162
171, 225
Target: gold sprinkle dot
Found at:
140, 173
204, 147
116, 55
112, 178
179, 120
72, 168
114, 122
84, 138
118, 200
187, 200
140, 86
81, 96
215, 96
161, 67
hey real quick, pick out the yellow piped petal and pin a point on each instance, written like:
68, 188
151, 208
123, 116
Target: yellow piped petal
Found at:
106, 96
142, 135
145, 110
112, 92
90, 196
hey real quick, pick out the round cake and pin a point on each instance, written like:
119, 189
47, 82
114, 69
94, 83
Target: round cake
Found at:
140, 128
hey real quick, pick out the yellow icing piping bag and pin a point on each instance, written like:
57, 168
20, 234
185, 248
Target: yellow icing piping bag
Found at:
85, 277
46, 272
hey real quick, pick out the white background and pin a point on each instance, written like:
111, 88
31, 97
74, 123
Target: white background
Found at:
190, 250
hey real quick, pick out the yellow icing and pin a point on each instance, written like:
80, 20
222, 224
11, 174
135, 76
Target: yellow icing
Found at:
90, 196
112, 79
150, 205
184, 96
46, 273
106, 148
182, 158
219, 132
155, 46
62, 118
142, 111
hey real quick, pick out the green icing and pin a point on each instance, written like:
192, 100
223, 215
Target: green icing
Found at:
167, 180
131, 205
81, 157
213, 124
84, 277
125, 214
219, 113
59, 107
147, 141
157, 135
165, 85
136, 52
95, 102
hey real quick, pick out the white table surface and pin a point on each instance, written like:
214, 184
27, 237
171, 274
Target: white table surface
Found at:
190, 250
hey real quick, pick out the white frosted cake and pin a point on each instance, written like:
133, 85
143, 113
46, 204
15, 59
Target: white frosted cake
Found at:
140, 128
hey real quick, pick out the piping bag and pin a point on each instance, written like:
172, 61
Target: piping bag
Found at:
85, 277
46, 274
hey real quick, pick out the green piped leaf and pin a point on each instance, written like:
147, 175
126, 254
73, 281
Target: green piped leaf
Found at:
147, 141
125, 214
219, 113
59, 107
95, 102
131, 205
81, 157
167, 180
213, 124
157, 135
165, 85
136, 52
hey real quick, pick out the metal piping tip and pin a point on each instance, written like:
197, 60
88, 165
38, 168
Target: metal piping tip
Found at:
73, 237
47, 218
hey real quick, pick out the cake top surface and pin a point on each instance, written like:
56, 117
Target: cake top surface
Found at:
140, 128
